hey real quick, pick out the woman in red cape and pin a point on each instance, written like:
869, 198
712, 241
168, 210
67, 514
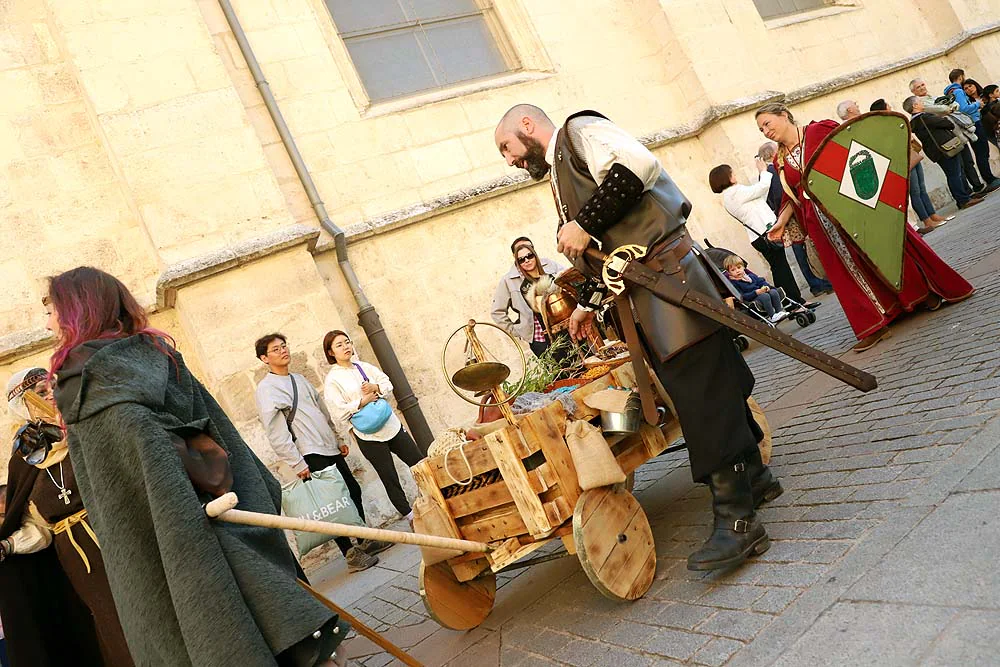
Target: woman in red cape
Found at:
868, 301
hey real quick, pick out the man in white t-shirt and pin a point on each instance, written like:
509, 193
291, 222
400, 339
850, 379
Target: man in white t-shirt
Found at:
301, 433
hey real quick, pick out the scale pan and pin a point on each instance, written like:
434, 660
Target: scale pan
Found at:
481, 376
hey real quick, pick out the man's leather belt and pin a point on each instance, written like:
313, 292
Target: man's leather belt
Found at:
667, 254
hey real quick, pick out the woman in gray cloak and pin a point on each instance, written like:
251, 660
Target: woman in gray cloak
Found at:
149, 446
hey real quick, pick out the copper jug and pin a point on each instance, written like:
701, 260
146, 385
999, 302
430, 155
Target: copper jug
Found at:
559, 307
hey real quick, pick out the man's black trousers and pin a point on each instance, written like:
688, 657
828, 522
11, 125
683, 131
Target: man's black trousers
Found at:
709, 384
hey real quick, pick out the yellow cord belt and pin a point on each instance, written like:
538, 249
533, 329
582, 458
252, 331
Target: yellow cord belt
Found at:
66, 526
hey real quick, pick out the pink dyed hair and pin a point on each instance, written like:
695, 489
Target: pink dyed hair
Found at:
92, 304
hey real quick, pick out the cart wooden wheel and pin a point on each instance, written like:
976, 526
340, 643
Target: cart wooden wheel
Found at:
456, 604
614, 542
761, 419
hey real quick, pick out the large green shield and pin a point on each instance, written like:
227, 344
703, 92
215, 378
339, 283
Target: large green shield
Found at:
859, 177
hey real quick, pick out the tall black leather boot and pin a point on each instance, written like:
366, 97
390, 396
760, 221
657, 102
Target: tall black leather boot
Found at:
766, 486
738, 532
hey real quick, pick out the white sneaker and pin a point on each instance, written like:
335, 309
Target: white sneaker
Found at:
778, 316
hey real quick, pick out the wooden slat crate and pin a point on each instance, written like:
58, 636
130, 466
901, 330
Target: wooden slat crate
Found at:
523, 486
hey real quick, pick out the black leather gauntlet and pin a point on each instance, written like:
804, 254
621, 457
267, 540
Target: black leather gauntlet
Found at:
620, 191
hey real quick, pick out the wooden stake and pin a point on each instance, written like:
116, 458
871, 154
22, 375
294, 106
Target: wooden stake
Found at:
222, 508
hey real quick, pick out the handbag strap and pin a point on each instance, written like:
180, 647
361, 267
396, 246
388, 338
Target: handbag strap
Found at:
745, 224
930, 132
361, 370
290, 415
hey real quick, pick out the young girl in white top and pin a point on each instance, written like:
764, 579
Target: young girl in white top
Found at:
350, 386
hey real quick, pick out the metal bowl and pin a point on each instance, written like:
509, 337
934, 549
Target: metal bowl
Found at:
620, 423
623, 423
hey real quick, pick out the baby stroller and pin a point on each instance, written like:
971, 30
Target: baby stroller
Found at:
792, 310
802, 315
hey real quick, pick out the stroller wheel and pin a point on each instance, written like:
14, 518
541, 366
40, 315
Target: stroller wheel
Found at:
802, 319
812, 317
742, 344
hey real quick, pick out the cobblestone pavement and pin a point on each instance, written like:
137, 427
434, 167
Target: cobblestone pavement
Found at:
887, 528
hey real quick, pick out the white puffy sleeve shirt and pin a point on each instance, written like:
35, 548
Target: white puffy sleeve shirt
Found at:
342, 392
602, 144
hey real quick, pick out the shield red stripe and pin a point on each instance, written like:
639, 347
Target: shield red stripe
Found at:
832, 161
894, 191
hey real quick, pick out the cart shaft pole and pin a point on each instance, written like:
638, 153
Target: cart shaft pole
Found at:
220, 509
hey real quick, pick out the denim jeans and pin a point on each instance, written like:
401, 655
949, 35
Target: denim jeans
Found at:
952, 168
816, 284
769, 301
981, 147
969, 169
918, 193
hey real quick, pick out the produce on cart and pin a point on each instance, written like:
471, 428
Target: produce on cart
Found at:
547, 474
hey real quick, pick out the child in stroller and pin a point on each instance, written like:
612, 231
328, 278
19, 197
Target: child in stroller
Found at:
762, 300
754, 289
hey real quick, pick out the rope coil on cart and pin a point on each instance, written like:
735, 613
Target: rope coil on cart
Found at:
445, 444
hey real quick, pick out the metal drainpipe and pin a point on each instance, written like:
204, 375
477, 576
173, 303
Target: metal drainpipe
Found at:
367, 315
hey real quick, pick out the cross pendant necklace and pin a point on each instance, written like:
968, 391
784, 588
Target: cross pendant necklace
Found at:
64, 492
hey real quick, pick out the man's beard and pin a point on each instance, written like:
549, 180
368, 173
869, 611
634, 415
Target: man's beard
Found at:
534, 157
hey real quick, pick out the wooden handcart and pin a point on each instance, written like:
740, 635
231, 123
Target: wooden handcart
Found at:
517, 490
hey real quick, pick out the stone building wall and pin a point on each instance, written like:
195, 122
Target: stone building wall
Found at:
133, 138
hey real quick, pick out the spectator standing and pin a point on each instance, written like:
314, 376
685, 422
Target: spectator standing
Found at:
350, 386
748, 205
301, 432
848, 109
973, 108
935, 132
919, 198
991, 113
510, 295
974, 91
919, 88
794, 234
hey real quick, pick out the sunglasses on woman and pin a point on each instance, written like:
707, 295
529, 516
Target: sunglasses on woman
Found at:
524, 259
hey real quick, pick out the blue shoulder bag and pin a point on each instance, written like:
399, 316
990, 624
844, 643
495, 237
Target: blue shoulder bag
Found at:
373, 416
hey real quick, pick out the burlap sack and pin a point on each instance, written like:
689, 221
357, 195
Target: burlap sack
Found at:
595, 464
430, 518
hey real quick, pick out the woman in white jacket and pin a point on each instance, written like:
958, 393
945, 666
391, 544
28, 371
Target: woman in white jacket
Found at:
748, 204
351, 385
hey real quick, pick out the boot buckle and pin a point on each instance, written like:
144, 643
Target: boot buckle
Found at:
739, 467
741, 526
